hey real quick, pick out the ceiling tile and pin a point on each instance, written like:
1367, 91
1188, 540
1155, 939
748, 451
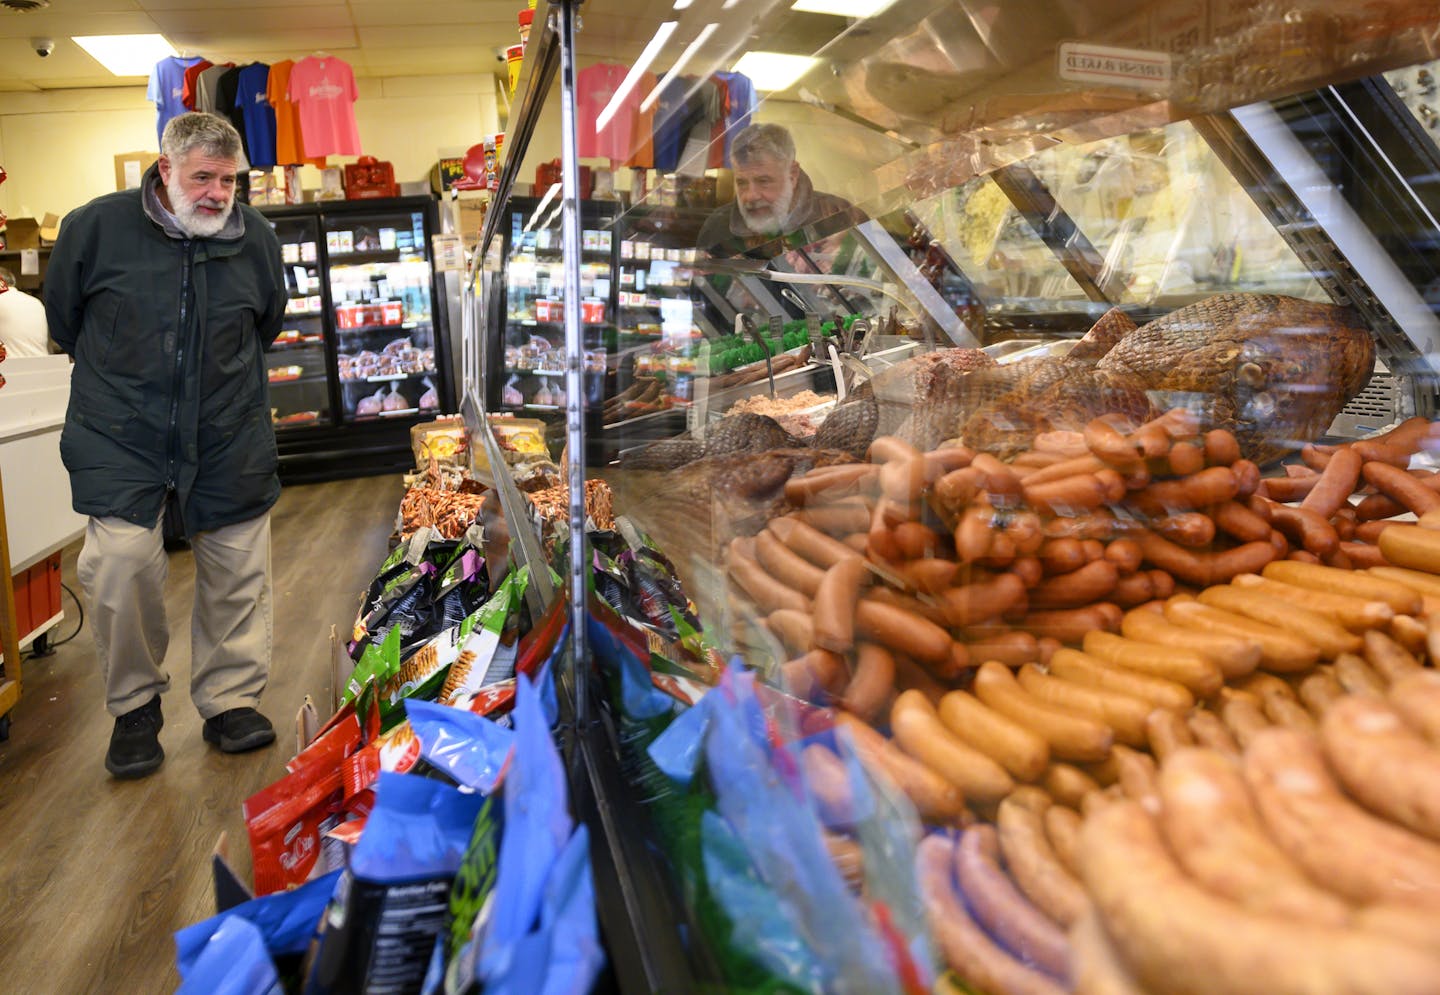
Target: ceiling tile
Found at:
62, 24
240, 20
379, 13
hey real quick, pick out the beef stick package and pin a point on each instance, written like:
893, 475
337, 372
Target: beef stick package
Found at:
392, 901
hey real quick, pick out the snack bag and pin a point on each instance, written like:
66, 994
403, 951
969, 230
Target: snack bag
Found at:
473, 751
391, 903
233, 961
485, 660
284, 924
287, 821
474, 882
537, 825
378, 663
761, 925
760, 795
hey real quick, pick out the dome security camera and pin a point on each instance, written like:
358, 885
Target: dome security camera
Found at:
42, 46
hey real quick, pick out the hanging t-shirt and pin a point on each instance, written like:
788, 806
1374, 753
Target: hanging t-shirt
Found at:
287, 118
642, 139
166, 90
191, 75
253, 103
595, 87
715, 156
205, 86
225, 89
740, 104
686, 111
324, 91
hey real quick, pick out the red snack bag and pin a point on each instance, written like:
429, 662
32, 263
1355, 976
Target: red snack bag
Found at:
286, 823
397, 751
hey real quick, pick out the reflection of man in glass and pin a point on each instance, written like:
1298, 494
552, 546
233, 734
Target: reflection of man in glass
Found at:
773, 198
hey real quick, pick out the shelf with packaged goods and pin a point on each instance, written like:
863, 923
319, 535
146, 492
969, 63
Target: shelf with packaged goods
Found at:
376, 256
387, 377
300, 381
300, 419
404, 326
299, 345
558, 325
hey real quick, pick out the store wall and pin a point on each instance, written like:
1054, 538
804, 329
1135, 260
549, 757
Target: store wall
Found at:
59, 146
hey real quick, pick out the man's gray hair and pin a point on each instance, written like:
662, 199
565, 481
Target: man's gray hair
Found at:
212, 135
762, 141
6, 277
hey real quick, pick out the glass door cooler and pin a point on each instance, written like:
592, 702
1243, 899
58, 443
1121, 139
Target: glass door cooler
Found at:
364, 352
297, 364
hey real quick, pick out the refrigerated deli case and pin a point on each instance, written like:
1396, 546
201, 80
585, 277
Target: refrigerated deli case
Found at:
1074, 631
364, 352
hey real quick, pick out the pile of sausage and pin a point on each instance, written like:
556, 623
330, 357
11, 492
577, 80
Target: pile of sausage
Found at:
958, 601
1308, 860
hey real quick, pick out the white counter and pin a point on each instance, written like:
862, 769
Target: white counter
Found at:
38, 516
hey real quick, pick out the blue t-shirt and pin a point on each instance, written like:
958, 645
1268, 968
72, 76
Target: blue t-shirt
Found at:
259, 116
166, 89
739, 108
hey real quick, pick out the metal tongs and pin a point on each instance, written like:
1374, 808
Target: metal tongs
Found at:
745, 326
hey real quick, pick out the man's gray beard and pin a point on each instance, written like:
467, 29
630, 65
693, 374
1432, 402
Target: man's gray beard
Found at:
191, 221
775, 223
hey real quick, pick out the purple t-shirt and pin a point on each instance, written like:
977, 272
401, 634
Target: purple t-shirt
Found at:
166, 90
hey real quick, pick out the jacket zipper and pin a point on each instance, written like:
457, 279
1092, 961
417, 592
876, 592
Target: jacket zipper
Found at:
175, 385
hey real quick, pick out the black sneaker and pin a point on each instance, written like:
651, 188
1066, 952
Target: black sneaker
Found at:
238, 730
135, 744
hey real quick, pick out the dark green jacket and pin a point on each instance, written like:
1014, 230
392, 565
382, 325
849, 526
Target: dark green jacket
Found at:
168, 333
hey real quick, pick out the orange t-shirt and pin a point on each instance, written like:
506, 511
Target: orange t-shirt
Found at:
289, 149
643, 134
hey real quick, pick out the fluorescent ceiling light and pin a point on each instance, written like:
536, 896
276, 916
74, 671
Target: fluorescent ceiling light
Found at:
682, 4
773, 70
842, 8
126, 55
679, 65
652, 49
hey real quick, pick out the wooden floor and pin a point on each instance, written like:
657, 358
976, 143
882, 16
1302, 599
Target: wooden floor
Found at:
96, 874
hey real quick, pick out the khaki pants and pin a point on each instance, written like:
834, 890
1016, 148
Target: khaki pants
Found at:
123, 569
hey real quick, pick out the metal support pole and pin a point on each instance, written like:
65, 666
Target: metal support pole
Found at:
574, 358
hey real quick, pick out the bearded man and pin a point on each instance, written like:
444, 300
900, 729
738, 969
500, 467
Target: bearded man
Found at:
776, 207
167, 297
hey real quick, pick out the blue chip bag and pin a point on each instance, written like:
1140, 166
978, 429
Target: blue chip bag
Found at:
537, 825
471, 749
233, 961
286, 921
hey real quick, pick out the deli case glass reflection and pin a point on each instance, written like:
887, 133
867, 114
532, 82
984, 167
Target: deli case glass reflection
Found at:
528, 372
363, 353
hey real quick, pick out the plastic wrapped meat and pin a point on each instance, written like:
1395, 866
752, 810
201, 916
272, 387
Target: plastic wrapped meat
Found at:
371, 405
394, 400
511, 395
430, 400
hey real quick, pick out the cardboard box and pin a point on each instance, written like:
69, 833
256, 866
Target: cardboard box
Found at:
22, 233
470, 216
130, 166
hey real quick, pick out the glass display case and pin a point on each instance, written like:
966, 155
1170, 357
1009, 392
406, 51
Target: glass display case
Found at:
364, 352
297, 361
1048, 525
